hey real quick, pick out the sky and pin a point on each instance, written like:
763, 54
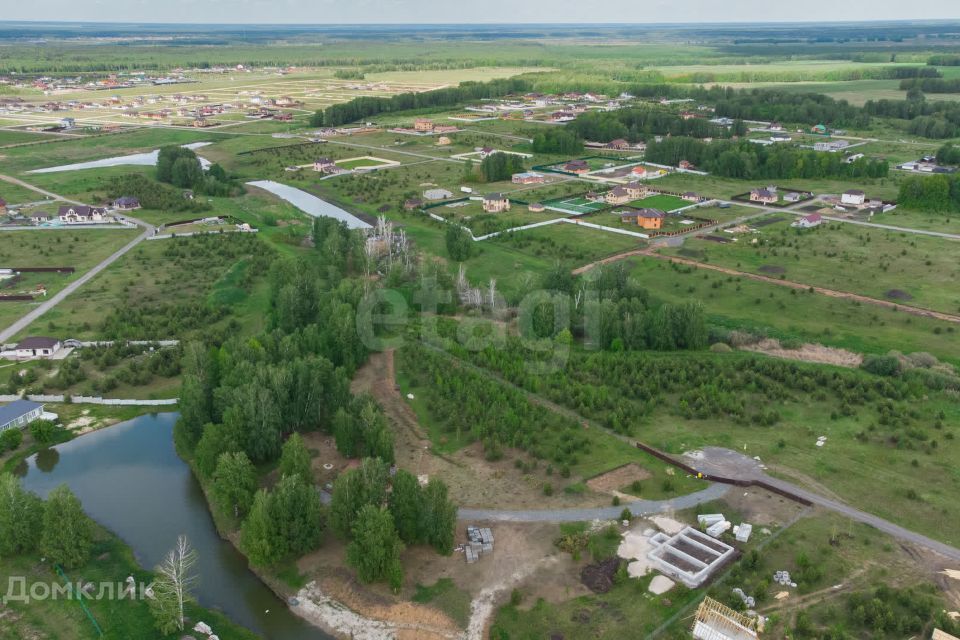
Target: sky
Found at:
459, 11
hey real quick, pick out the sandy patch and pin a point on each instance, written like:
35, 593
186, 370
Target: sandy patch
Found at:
483, 605
808, 352
322, 610
634, 547
951, 573
660, 585
613, 481
667, 524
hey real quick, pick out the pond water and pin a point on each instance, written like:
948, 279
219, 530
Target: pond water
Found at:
309, 203
148, 159
131, 481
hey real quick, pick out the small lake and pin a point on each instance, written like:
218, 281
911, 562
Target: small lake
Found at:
309, 203
131, 481
148, 159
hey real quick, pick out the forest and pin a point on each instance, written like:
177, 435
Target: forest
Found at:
939, 193
746, 160
639, 124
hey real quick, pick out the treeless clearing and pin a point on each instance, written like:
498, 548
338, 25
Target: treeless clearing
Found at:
808, 352
613, 481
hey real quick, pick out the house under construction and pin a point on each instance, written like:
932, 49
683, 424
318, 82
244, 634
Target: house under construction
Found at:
716, 621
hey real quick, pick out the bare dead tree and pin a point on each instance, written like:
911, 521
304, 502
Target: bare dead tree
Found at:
175, 580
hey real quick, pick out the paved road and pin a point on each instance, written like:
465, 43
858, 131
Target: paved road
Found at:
53, 301
732, 464
638, 508
715, 461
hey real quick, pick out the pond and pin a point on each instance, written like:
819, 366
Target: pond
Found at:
309, 203
148, 159
131, 481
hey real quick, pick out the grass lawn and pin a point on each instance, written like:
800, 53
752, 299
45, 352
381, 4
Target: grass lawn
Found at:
662, 202
768, 309
445, 596
726, 188
15, 194
915, 270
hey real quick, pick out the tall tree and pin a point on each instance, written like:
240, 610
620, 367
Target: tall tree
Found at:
439, 517
375, 549
234, 482
406, 506
171, 588
67, 537
256, 534
295, 460
21, 517
364, 485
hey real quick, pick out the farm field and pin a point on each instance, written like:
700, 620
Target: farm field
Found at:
911, 269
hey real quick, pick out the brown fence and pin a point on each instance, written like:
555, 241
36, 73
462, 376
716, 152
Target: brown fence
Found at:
737, 482
43, 269
15, 298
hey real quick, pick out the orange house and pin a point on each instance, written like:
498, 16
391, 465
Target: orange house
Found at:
650, 219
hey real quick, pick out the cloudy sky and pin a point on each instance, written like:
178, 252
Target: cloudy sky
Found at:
446, 11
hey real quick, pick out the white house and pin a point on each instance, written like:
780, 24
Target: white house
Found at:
20, 413
808, 222
37, 347
436, 194
854, 197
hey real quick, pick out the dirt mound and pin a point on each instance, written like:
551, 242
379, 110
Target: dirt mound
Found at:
599, 577
898, 294
772, 269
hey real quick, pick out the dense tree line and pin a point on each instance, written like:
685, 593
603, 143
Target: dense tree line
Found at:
948, 154
938, 193
500, 166
641, 123
362, 108
557, 141
787, 106
745, 160
931, 85
928, 119
181, 167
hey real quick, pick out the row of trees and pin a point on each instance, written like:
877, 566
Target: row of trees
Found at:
948, 154
557, 140
643, 122
152, 195
938, 120
937, 193
931, 85
368, 107
745, 160
500, 166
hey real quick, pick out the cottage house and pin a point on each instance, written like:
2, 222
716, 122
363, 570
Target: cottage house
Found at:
577, 166
496, 203
853, 197
763, 196
651, 219
690, 196
412, 203
325, 165
808, 222
20, 413
36, 347
619, 143
3, 207
423, 125
617, 195
636, 190
527, 177
126, 203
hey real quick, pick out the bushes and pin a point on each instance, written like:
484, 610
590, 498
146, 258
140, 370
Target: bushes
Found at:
881, 365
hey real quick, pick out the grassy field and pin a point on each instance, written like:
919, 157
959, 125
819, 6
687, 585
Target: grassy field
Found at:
768, 309
662, 202
154, 279
915, 270
78, 248
726, 188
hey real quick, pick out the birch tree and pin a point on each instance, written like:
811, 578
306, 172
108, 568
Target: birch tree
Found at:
171, 589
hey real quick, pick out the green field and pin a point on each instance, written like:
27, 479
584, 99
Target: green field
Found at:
78, 248
662, 202
577, 204
771, 310
894, 266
